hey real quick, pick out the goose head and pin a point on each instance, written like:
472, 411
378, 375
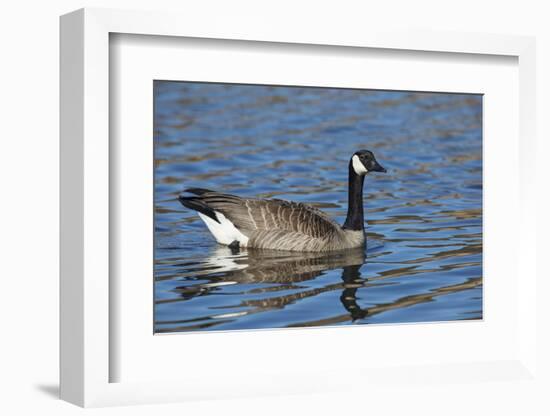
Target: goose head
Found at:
363, 162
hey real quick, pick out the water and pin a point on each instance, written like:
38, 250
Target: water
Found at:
423, 260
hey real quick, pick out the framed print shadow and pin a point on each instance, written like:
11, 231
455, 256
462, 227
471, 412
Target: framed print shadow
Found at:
289, 206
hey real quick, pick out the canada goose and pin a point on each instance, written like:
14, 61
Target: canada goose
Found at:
283, 225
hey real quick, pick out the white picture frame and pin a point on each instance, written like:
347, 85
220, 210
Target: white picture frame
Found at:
86, 304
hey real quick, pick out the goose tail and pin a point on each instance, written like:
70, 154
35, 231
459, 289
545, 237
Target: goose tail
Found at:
197, 204
223, 229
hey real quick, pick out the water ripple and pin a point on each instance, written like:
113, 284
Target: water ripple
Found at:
424, 219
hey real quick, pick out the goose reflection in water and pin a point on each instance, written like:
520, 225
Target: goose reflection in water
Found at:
263, 273
285, 269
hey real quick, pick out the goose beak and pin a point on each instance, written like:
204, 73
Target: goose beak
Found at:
378, 168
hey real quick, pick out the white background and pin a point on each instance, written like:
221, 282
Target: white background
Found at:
29, 209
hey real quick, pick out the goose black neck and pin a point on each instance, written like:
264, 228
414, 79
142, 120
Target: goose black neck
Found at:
355, 218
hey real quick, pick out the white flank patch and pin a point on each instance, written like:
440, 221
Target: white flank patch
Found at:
224, 232
358, 166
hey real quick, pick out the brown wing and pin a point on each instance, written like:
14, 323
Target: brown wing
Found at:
251, 214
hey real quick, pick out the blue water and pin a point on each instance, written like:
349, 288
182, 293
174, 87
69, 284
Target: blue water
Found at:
423, 260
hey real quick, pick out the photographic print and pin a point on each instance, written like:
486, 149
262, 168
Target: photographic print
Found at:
288, 206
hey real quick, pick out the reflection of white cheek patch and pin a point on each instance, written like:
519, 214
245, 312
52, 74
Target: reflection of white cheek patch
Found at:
358, 167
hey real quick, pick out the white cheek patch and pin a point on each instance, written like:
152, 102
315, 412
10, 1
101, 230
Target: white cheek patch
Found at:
358, 167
